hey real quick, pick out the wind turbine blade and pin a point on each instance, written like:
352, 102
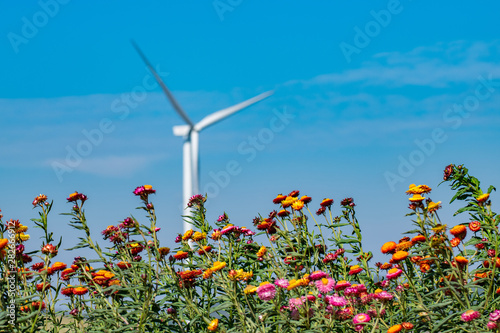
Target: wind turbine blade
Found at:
221, 114
167, 92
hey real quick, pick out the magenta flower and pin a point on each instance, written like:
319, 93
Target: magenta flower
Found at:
383, 296
342, 285
325, 285
470, 315
361, 318
336, 300
317, 275
495, 315
295, 303
492, 325
282, 283
266, 292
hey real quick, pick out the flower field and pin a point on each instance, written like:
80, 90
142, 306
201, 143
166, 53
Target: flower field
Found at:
299, 268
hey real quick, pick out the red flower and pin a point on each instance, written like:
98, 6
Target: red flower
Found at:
475, 226
326, 202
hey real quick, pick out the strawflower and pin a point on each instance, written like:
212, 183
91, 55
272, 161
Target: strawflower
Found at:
266, 291
470, 315
325, 285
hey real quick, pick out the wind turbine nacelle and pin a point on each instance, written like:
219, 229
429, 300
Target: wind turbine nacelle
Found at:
181, 130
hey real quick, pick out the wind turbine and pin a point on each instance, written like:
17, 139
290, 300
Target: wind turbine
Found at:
190, 133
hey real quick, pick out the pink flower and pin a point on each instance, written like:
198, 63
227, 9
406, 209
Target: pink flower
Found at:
495, 315
317, 275
361, 318
492, 325
282, 283
336, 300
393, 273
470, 315
383, 296
295, 303
266, 292
342, 285
325, 285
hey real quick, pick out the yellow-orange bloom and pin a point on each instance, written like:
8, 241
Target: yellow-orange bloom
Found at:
80, 291
250, 289
433, 206
187, 235
213, 325
420, 189
483, 197
58, 266
288, 201
297, 283
403, 246
298, 205
3, 243
459, 231
388, 247
198, 236
217, 266
262, 251
400, 255
208, 273
461, 260
416, 198
395, 329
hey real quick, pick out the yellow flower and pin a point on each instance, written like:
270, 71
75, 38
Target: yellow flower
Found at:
439, 228
433, 206
213, 325
187, 235
414, 189
22, 237
217, 266
262, 251
288, 201
298, 205
198, 236
416, 198
483, 197
250, 289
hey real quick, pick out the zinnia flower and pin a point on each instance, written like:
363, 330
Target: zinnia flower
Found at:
325, 285
266, 291
470, 315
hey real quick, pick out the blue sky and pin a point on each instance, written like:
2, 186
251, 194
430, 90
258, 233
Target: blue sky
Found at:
359, 114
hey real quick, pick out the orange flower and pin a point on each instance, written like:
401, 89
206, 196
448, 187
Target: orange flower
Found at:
459, 231
483, 197
3, 243
250, 289
216, 235
66, 272
475, 226
395, 329
400, 255
418, 239
433, 206
80, 291
461, 260
40, 286
403, 246
455, 242
386, 266
124, 265
388, 247
407, 326
208, 273
420, 189
424, 268
213, 325
305, 199
417, 198
58, 266
180, 255
164, 251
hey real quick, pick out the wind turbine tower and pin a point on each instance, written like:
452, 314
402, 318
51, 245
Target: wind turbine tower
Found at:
190, 133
